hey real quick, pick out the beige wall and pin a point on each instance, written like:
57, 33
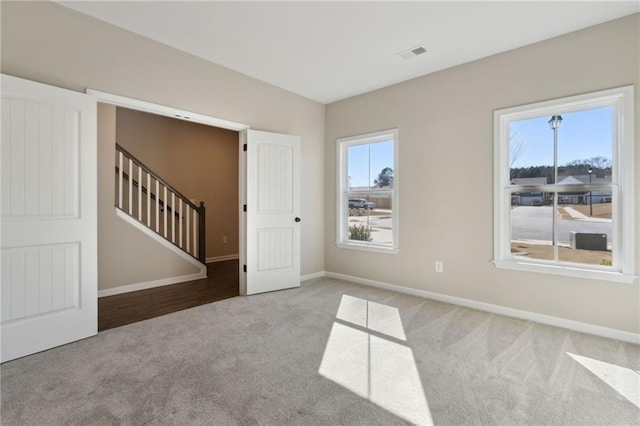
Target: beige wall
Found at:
199, 161
46, 42
125, 253
446, 130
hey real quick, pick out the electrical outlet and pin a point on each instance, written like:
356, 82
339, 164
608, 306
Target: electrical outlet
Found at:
225, 240
439, 266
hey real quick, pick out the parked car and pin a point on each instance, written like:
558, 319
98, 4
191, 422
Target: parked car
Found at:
360, 203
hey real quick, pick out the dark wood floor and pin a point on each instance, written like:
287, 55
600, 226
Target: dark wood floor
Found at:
121, 309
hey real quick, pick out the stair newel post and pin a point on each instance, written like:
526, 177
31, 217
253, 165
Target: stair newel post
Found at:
201, 234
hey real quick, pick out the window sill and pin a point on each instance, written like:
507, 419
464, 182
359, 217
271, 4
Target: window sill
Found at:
567, 271
362, 247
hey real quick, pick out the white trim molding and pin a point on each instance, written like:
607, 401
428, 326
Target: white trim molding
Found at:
312, 276
581, 327
166, 111
222, 258
566, 271
149, 284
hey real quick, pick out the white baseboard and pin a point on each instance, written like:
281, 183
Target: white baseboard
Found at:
150, 284
308, 277
222, 258
582, 327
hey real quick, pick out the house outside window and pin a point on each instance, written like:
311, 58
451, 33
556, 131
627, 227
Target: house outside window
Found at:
367, 205
564, 186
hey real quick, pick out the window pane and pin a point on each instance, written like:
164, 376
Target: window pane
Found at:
531, 152
358, 209
358, 167
370, 218
382, 164
584, 142
584, 229
531, 226
380, 219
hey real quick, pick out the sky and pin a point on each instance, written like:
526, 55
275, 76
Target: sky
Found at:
581, 135
365, 162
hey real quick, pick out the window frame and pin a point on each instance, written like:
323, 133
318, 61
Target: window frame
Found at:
621, 100
342, 217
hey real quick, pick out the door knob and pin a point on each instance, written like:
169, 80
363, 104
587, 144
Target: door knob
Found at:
297, 219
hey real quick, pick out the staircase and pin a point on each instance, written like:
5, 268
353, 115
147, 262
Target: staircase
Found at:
147, 198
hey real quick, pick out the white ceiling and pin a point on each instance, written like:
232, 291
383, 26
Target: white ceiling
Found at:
327, 51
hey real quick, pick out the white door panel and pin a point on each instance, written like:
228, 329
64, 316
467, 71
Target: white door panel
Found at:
49, 217
273, 206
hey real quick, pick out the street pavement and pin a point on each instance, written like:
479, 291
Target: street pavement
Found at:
528, 223
535, 223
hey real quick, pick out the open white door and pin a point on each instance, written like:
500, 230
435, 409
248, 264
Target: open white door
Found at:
48, 245
273, 211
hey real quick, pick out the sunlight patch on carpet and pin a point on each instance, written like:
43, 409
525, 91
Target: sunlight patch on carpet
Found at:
623, 380
373, 316
376, 367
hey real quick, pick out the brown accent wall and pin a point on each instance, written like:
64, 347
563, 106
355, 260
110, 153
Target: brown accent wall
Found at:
199, 161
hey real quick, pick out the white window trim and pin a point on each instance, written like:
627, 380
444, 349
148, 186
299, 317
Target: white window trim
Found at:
621, 100
342, 182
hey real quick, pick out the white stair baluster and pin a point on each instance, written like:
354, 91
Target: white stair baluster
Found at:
157, 206
187, 230
180, 224
119, 179
173, 217
166, 210
195, 239
140, 193
130, 186
148, 200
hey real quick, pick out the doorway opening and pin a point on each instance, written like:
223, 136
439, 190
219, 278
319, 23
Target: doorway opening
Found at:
198, 156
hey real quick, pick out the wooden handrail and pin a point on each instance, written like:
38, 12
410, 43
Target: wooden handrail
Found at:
155, 176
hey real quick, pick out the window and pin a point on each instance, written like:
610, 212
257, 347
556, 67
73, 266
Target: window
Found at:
368, 191
564, 186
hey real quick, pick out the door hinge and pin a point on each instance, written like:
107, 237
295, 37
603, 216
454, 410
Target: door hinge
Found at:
244, 268
244, 147
244, 208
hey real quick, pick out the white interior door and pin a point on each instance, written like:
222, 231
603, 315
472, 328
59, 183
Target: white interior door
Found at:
48, 245
273, 211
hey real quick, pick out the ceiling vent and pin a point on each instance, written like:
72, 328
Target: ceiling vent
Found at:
412, 53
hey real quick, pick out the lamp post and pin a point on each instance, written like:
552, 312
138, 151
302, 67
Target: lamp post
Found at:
590, 171
554, 123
